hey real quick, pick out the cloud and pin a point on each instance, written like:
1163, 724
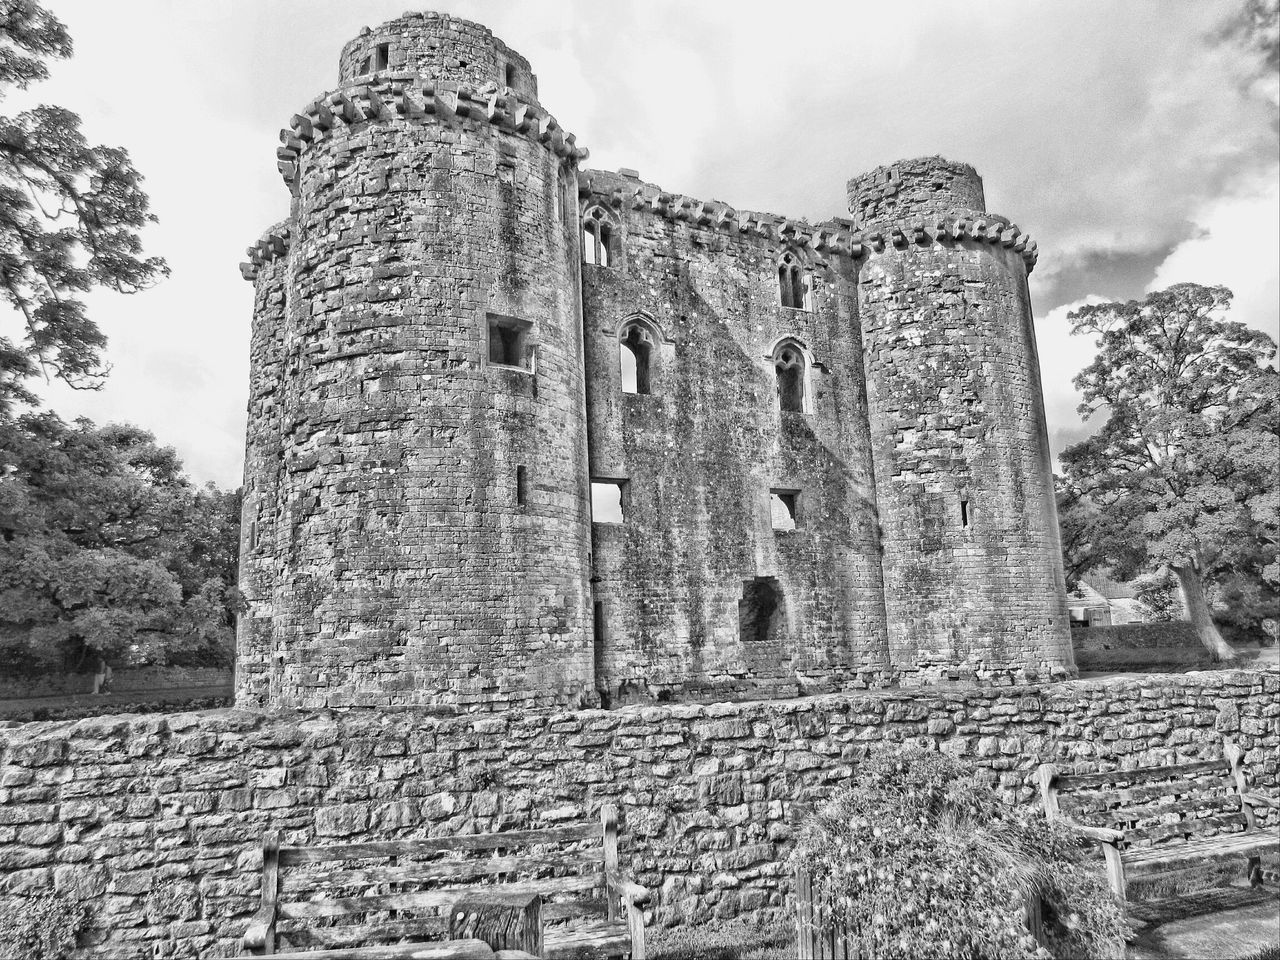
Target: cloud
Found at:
1062, 356
1237, 245
1128, 140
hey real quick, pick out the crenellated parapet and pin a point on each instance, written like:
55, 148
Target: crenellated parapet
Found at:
832, 237
272, 245
410, 97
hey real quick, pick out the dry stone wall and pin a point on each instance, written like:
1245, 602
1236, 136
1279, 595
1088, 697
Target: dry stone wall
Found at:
154, 821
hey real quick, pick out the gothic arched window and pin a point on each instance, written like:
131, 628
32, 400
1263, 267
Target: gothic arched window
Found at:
794, 283
790, 366
597, 238
637, 343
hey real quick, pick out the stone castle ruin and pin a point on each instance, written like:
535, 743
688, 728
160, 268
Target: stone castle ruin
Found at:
522, 433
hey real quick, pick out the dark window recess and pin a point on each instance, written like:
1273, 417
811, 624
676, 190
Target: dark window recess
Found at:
510, 74
759, 611
253, 535
789, 364
509, 341
636, 354
382, 56
522, 490
607, 501
784, 509
364, 67
964, 513
794, 283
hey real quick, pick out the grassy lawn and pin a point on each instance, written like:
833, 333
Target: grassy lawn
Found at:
730, 941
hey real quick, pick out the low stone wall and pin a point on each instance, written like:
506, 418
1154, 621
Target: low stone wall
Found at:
1139, 646
155, 820
124, 680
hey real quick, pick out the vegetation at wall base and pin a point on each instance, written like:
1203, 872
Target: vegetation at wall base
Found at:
41, 927
916, 858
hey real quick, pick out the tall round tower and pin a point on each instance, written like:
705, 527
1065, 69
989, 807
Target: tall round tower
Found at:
972, 561
430, 530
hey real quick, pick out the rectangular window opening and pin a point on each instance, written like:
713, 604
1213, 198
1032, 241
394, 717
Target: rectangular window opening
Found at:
509, 341
607, 501
784, 509
382, 56
511, 74
522, 490
964, 513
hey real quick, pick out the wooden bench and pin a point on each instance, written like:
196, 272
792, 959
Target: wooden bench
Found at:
393, 900
1158, 821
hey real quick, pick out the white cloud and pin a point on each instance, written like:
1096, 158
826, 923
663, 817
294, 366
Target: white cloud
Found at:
1238, 246
1062, 356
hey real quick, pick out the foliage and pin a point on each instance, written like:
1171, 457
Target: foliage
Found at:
916, 858
106, 549
736, 940
41, 927
1181, 474
70, 215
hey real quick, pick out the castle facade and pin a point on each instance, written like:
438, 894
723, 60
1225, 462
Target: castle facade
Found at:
522, 433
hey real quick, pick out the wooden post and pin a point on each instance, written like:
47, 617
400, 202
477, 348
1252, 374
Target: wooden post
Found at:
609, 826
804, 915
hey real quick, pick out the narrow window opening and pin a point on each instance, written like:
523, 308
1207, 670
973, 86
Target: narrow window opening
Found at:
508, 341
598, 634
784, 509
759, 610
789, 366
794, 283
364, 67
253, 535
636, 352
511, 74
522, 490
597, 238
382, 56
607, 501
964, 513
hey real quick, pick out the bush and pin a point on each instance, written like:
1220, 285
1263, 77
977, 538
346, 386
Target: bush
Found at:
41, 927
918, 859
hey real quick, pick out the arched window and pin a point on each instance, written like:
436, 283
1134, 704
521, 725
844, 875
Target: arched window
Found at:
637, 352
790, 365
597, 238
794, 284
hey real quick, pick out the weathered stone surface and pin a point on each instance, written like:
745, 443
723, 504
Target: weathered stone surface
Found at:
166, 853
417, 523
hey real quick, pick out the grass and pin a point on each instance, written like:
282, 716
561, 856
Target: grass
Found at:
735, 940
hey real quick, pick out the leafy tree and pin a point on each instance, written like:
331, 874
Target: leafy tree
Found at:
70, 214
106, 549
918, 858
1182, 471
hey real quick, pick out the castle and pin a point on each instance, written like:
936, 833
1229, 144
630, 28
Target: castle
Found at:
522, 433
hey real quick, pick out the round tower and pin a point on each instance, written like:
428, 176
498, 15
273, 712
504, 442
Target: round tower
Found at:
432, 533
974, 584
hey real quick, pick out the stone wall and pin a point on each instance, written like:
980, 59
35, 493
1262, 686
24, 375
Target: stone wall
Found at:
701, 451
973, 575
1138, 646
155, 820
122, 680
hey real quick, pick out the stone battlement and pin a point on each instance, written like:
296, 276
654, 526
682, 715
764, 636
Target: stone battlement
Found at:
522, 434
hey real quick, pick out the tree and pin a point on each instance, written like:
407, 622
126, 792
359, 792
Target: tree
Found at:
69, 220
106, 549
1182, 472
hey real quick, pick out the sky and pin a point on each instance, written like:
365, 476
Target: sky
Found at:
1135, 140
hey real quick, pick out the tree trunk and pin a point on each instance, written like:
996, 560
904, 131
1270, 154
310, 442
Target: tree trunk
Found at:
1198, 611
